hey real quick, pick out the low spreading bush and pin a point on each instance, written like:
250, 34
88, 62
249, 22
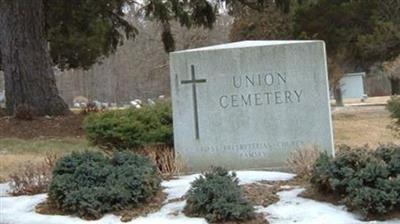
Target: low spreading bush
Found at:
89, 185
364, 179
217, 196
131, 128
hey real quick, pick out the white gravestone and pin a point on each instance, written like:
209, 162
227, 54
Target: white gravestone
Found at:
352, 86
249, 104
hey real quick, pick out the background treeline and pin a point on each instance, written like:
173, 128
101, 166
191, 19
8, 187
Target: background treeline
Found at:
139, 69
360, 36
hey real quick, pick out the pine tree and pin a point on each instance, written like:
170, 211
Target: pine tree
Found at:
38, 35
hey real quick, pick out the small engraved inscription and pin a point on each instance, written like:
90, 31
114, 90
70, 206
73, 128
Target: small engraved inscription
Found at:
251, 150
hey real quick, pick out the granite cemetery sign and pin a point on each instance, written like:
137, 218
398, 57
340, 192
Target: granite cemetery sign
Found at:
249, 104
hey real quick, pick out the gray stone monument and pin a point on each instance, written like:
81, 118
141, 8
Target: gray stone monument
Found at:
249, 104
352, 86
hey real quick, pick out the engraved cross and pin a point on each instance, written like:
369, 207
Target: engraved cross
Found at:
194, 81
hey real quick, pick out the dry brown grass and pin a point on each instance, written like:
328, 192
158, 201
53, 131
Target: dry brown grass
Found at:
301, 162
370, 100
164, 157
261, 194
357, 126
33, 178
14, 153
11, 162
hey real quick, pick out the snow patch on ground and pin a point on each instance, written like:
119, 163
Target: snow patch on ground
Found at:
248, 177
293, 209
290, 208
4, 189
178, 187
21, 210
171, 213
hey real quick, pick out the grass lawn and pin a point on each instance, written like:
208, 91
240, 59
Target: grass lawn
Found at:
357, 126
15, 152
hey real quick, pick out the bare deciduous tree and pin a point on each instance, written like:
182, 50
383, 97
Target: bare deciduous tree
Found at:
139, 68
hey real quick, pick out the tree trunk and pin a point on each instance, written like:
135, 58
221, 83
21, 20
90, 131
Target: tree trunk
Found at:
28, 72
338, 96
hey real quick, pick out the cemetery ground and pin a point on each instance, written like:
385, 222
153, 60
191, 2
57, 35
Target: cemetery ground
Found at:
360, 125
30, 141
22, 141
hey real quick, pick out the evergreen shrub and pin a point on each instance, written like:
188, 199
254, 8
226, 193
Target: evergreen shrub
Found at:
393, 106
216, 195
131, 128
88, 184
365, 180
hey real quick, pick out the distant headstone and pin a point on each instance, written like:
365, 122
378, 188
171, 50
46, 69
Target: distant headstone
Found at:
352, 86
249, 104
80, 101
136, 103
